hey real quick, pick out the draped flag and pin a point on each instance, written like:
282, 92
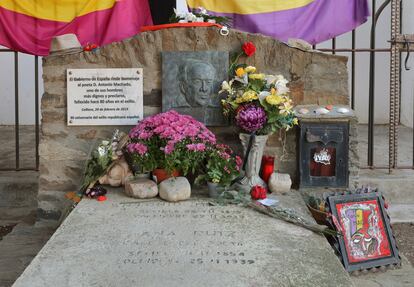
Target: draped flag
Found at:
311, 20
29, 25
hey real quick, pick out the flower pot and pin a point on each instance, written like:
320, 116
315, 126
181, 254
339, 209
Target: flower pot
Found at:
214, 189
254, 159
161, 174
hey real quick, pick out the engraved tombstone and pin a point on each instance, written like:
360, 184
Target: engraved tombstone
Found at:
191, 82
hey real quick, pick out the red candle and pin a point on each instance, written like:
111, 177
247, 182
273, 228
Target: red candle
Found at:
268, 166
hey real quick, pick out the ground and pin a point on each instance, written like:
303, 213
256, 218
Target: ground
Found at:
404, 233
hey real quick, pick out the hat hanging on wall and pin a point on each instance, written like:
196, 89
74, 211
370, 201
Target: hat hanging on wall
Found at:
65, 44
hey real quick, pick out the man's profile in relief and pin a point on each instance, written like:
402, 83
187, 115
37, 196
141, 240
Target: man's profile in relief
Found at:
191, 82
196, 83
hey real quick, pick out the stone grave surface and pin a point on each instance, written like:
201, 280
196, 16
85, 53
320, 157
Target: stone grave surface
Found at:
128, 242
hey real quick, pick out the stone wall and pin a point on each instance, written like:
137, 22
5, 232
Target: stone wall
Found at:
316, 78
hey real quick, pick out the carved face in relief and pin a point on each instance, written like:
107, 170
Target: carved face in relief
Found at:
197, 82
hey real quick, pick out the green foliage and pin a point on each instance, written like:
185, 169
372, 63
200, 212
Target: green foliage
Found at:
222, 167
98, 163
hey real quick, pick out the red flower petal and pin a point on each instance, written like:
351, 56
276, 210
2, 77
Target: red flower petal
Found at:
249, 48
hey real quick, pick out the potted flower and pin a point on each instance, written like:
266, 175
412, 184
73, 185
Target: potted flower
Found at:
169, 144
259, 104
221, 168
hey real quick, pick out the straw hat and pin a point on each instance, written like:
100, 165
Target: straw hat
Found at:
65, 44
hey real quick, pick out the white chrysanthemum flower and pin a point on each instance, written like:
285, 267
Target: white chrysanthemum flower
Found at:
190, 17
202, 10
270, 79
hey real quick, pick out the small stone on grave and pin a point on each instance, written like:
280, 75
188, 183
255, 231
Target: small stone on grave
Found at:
280, 183
175, 189
141, 188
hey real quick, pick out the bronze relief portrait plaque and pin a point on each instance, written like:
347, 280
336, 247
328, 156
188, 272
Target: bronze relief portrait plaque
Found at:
191, 83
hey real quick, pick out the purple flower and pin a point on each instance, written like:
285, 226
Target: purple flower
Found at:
251, 119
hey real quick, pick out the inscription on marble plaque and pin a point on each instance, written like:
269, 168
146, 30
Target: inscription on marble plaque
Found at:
198, 246
104, 96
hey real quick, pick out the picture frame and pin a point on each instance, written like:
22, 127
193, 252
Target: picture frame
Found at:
367, 240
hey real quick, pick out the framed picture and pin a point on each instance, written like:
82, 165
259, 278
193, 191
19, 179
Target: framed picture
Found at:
367, 240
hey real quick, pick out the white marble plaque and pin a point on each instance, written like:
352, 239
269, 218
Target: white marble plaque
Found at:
104, 96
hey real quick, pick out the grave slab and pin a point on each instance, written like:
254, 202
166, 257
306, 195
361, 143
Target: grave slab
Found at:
129, 242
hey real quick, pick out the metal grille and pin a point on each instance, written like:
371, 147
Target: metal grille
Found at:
398, 43
17, 165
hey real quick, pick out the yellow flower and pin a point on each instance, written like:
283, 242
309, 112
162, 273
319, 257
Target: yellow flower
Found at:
295, 121
250, 69
273, 91
240, 72
274, 100
257, 76
285, 108
247, 97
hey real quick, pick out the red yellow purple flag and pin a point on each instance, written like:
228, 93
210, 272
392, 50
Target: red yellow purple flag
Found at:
29, 26
312, 20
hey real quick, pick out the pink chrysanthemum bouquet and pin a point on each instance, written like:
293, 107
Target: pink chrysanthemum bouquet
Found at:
169, 140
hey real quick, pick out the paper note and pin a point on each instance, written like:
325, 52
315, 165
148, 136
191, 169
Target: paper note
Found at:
268, 201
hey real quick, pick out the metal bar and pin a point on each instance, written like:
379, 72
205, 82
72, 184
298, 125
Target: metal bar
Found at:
20, 169
16, 108
37, 110
371, 97
386, 167
333, 46
395, 87
371, 108
387, 50
397, 95
353, 70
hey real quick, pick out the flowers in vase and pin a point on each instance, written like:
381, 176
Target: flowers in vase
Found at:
198, 15
258, 103
222, 166
171, 141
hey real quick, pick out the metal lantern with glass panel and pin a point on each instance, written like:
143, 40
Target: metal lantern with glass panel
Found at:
324, 146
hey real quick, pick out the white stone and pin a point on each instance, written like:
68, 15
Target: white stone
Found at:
141, 188
343, 110
280, 183
175, 189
